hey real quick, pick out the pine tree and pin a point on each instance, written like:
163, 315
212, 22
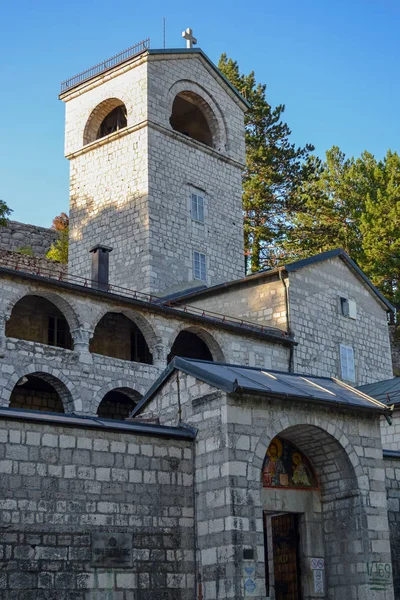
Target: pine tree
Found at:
274, 169
380, 227
330, 206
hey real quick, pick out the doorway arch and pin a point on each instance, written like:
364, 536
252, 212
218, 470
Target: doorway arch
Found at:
322, 520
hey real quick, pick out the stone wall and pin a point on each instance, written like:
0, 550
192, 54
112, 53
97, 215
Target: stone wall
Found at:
135, 184
32, 264
259, 300
233, 435
319, 326
315, 317
392, 467
391, 433
87, 377
395, 345
15, 235
62, 485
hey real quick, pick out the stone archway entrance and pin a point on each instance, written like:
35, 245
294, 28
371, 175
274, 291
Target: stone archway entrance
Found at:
292, 510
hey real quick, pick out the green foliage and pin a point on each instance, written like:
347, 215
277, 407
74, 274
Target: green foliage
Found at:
4, 213
274, 170
26, 250
59, 250
380, 227
353, 204
330, 207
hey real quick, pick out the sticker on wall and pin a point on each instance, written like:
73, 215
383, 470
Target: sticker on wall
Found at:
285, 466
379, 575
249, 582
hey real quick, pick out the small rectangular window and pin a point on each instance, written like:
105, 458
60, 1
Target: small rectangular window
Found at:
198, 207
344, 307
347, 365
199, 266
348, 308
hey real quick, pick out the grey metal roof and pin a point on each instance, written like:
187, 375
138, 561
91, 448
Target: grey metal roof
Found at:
71, 420
290, 268
387, 390
267, 382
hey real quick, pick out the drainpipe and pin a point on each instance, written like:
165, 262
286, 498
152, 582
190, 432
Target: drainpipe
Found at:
288, 327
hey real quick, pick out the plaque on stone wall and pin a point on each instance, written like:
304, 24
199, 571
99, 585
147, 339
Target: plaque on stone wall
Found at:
111, 550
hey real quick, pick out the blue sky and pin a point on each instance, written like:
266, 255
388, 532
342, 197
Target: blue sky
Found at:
335, 65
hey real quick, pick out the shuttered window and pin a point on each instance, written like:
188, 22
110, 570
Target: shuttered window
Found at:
347, 366
199, 266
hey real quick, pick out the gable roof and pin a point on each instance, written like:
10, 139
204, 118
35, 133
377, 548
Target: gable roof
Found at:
199, 52
241, 379
387, 390
289, 268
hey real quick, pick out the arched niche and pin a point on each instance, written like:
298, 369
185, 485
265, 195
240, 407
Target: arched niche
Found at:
118, 403
119, 337
37, 319
286, 467
311, 508
109, 116
41, 391
197, 344
192, 116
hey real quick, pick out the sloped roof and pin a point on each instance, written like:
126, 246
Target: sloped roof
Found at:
289, 268
266, 382
199, 52
387, 390
94, 422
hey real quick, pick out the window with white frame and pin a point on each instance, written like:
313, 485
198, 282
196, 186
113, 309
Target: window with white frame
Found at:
197, 207
199, 266
347, 365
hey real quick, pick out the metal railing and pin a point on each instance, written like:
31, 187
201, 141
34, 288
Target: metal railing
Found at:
106, 65
19, 264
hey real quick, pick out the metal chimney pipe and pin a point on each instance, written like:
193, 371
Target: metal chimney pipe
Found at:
100, 260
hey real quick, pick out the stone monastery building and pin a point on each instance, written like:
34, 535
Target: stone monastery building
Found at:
170, 428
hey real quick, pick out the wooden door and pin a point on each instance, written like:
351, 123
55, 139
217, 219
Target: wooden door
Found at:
285, 541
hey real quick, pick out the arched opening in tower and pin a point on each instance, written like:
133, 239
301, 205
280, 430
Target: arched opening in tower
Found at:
188, 118
32, 392
115, 120
119, 337
36, 319
189, 345
118, 403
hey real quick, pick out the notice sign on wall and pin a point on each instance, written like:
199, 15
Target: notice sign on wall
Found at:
318, 567
111, 550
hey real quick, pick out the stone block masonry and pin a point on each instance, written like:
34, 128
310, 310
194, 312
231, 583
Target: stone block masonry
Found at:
61, 486
345, 522
131, 190
15, 235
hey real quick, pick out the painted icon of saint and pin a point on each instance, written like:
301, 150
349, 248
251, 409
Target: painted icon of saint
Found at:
273, 467
300, 475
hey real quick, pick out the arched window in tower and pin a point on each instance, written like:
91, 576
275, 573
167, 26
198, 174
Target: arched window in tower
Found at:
108, 116
114, 121
191, 116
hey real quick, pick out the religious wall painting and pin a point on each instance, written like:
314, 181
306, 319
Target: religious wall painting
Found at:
286, 467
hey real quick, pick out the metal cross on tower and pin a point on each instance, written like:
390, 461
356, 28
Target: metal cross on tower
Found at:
190, 39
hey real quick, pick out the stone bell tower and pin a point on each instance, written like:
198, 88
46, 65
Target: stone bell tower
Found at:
155, 140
